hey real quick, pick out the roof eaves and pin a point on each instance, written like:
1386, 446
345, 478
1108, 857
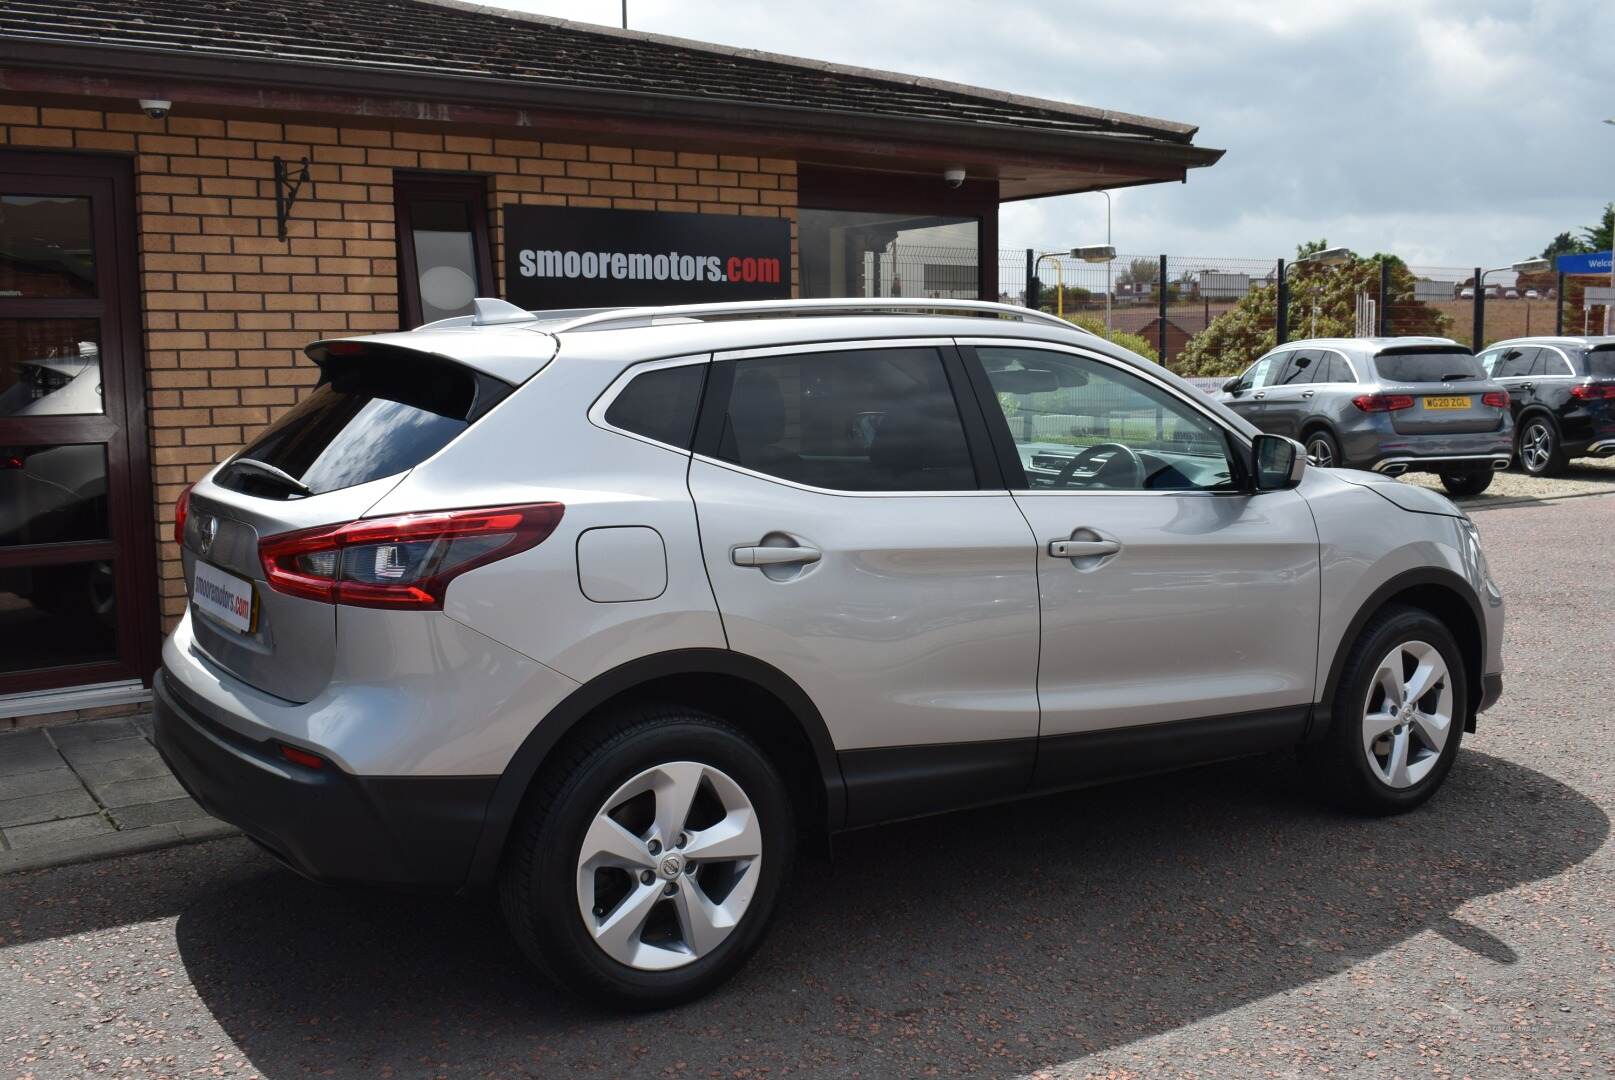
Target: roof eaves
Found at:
1146, 125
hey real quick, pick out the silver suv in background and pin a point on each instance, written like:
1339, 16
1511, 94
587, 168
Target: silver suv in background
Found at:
1390, 405
611, 611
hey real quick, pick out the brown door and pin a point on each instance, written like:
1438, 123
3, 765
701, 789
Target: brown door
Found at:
78, 600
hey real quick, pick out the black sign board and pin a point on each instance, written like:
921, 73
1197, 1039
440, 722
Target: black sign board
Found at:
566, 257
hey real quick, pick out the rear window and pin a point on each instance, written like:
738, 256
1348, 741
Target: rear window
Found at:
1601, 361
1430, 366
370, 417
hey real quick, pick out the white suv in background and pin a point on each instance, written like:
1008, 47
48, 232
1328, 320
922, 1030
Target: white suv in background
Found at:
612, 610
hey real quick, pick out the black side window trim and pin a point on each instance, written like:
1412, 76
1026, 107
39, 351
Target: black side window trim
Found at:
983, 454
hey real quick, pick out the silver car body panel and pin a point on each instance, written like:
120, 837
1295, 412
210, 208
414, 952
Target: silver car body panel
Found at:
919, 623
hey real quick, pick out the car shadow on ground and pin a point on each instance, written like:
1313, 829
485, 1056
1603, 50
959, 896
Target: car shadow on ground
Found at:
1000, 940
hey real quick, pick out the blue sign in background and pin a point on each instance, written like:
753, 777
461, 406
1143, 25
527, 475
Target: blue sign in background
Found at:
1595, 263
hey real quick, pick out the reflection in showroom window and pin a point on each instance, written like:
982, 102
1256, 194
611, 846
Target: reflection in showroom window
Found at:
50, 367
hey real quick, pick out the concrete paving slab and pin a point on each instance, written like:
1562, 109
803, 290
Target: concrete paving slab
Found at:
156, 813
46, 807
88, 752
88, 731
39, 783
44, 833
132, 792
27, 751
143, 766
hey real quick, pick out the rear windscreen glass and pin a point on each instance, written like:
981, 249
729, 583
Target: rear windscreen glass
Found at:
1428, 367
1601, 361
370, 417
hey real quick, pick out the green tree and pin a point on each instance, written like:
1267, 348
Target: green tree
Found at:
1120, 337
1563, 244
1311, 247
1601, 237
1323, 303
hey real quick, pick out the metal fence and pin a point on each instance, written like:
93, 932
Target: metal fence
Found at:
1170, 300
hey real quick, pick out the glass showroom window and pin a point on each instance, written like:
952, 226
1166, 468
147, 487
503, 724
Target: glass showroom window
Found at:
859, 253
442, 246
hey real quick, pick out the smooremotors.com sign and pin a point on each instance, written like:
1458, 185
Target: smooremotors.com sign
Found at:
563, 257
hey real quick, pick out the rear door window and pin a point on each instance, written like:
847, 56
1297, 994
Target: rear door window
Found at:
1432, 366
371, 416
1515, 363
856, 420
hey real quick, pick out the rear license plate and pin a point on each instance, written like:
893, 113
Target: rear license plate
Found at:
1447, 402
223, 596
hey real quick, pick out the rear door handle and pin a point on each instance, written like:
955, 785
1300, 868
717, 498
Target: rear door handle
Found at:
1528, 386
1308, 393
775, 556
1082, 549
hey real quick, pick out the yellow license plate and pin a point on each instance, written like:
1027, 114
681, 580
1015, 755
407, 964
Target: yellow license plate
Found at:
1446, 402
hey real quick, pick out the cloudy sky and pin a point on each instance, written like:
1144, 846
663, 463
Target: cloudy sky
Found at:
1450, 133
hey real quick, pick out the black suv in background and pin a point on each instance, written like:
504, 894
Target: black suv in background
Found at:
1562, 393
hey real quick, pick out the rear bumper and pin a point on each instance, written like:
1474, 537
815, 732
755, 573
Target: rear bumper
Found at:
1398, 464
329, 825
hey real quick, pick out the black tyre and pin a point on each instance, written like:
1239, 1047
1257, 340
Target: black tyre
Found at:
1472, 482
1538, 448
1397, 715
1323, 451
648, 858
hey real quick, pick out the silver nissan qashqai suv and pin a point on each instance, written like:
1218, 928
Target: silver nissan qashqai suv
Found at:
614, 610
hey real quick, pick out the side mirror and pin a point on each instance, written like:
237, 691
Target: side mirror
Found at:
1280, 462
1232, 385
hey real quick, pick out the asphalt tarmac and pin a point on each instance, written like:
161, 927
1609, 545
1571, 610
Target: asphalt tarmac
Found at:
1214, 923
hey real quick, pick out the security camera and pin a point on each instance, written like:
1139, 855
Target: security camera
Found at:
155, 108
954, 178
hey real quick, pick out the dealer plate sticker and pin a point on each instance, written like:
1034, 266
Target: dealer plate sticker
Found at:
224, 596
1447, 402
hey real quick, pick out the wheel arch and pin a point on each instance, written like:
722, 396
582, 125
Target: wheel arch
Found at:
1442, 593
744, 690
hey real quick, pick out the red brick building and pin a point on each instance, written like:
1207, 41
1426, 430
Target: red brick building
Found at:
316, 170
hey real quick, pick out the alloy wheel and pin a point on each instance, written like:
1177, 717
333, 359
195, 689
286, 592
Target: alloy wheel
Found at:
1408, 714
1536, 446
669, 865
1320, 453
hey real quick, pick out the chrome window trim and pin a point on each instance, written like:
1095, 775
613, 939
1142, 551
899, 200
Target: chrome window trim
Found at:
840, 345
1129, 369
597, 411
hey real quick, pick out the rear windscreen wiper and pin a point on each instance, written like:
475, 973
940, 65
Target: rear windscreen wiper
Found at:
270, 471
1456, 375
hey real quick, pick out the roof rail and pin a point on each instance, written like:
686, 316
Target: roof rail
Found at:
622, 318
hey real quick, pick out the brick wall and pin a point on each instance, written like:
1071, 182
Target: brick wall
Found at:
228, 306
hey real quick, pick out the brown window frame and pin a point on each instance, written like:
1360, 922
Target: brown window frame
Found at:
469, 187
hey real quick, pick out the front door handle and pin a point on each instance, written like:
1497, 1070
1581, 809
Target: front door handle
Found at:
1308, 393
775, 556
1082, 549
1259, 395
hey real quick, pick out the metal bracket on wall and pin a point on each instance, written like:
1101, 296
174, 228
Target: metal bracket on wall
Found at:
289, 181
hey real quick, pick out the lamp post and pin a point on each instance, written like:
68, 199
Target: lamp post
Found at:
1521, 266
1609, 307
1108, 261
1096, 253
1059, 279
1335, 256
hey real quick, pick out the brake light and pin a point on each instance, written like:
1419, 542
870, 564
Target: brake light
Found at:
400, 562
1593, 392
1497, 399
1383, 402
182, 510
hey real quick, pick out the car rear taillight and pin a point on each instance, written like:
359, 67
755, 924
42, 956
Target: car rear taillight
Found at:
1593, 392
1383, 402
182, 510
1497, 399
400, 562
